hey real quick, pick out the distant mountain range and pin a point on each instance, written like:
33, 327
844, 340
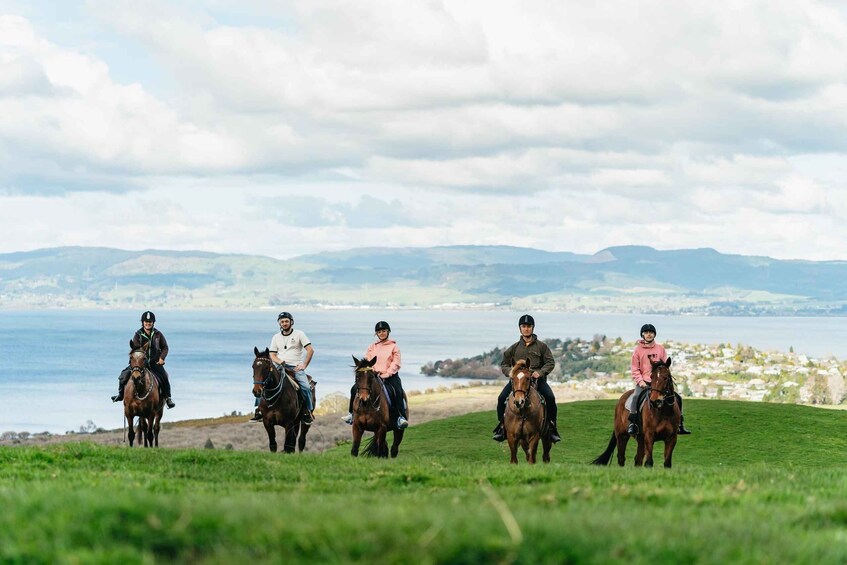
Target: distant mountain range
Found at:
617, 279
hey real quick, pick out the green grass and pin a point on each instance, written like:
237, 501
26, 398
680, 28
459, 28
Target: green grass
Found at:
757, 483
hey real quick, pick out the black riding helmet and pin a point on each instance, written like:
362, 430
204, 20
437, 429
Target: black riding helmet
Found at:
648, 328
285, 315
381, 325
148, 316
526, 320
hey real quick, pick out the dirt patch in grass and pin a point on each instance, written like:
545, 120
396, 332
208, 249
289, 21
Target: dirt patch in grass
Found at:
236, 432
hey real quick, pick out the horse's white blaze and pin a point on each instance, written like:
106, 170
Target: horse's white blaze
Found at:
521, 375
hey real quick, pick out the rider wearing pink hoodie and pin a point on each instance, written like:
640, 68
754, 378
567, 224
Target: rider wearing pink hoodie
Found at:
387, 366
647, 351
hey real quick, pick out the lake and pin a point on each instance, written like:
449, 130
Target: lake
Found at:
59, 368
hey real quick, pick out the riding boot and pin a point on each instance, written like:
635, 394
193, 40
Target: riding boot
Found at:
166, 392
499, 432
122, 380
257, 416
554, 432
632, 429
682, 431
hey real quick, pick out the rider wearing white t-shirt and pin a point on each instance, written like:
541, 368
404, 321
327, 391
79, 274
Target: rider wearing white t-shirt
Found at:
293, 349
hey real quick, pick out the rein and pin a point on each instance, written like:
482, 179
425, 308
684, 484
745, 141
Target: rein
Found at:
375, 394
274, 391
140, 372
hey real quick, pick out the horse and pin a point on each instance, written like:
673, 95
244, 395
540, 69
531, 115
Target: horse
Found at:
526, 422
142, 399
660, 414
281, 403
371, 412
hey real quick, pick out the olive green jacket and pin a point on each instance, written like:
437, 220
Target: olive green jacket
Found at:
537, 352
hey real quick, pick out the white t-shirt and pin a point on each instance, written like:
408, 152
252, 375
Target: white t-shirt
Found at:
289, 348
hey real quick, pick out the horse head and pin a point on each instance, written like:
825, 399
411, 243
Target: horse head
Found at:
365, 376
264, 372
521, 378
661, 385
137, 363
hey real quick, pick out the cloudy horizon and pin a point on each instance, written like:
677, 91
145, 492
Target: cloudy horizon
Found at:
287, 128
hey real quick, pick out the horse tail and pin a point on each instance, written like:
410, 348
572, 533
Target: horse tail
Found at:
606, 456
370, 448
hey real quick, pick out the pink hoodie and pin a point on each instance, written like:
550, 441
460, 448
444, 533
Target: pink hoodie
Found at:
643, 358
387, 357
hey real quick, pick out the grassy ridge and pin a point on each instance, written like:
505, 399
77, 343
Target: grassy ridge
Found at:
757, 483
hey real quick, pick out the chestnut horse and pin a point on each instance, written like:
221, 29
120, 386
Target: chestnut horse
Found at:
370, 412
659, 420
142, 399
281, 403
526, 422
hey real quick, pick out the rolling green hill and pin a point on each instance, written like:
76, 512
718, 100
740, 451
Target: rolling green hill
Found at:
617, 279
757, 483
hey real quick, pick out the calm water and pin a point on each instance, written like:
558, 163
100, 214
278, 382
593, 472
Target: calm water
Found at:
58, 368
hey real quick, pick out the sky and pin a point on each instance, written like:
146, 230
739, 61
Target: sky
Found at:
285, 128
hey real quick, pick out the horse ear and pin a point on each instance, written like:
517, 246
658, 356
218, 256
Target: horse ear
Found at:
130, 345
355, 361
668, 362
372, 362
255, 351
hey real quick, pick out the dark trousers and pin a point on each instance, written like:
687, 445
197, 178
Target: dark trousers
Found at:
545, 391
395, 388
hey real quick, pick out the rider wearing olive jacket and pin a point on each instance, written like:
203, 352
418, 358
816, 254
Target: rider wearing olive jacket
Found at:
541, 363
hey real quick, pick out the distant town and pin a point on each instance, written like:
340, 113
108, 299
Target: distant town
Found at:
723, 371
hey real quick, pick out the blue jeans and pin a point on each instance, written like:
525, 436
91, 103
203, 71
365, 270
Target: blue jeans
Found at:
303, 381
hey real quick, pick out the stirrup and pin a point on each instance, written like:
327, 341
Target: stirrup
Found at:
306, 419
117, 398
170, 402
402, 423
257, 417
682, 431
499, 433
348, 419
632, 429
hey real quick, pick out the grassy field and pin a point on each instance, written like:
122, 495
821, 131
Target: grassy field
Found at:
757, 483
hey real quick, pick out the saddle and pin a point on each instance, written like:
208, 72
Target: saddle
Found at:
638, 399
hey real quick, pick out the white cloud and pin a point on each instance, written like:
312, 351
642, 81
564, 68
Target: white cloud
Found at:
558, 125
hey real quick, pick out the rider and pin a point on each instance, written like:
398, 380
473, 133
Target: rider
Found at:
287, 349
157, 351
647, 351
541, 363
387, 365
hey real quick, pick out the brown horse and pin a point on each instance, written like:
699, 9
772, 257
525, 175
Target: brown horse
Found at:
281, 403
659, 420
142, 399
525, 422
371, 412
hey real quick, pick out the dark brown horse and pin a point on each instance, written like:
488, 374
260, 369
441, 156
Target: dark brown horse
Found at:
281, 403
659, 420
525, 420
371, 413
142, 399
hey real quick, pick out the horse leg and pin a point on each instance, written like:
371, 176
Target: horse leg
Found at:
130, 429
150, 433
648, 448
546, 445
670, 443
382, 442
290, 438
269, 427
525, 447
533, 449
357, 439
395, 445
513, 448
623, 439
301, 442
639, 454
157, 425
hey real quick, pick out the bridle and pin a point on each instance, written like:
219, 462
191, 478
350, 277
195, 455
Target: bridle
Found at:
518, 407
136, 374
668, 395
374, 393
269, 392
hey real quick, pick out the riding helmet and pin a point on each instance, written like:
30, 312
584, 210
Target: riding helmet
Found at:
381, 326
648, 328
526, 320
285, 315
148, 316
